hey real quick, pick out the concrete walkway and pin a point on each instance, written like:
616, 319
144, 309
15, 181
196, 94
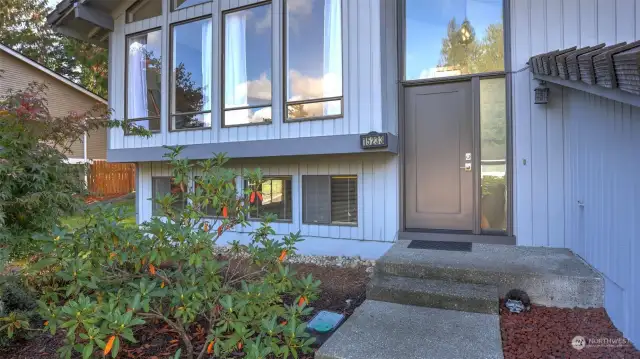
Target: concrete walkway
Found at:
381, 330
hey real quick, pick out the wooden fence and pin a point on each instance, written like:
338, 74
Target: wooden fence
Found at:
107, 179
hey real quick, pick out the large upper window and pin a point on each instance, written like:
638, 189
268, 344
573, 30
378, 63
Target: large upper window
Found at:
181, 4
144, 79
247, 66
144, 9
191, 75
453, 37
313, 59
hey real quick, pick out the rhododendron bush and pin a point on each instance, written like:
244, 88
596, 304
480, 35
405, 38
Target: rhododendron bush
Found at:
102, 281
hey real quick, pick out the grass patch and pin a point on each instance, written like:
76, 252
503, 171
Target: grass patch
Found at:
78, 220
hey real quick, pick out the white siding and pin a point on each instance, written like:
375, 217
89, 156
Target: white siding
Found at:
575, 159
368, 33
377, 194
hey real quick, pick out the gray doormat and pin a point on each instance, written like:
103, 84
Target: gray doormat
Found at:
441, 245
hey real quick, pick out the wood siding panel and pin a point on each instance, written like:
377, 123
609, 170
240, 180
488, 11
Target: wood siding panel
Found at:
377, 194
579, 188
370, 94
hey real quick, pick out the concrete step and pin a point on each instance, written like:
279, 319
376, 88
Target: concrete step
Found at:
381, 330
477, 298
551, 276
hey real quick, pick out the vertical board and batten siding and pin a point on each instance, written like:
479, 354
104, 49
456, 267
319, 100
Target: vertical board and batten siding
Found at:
369, 75
575, 165
377, 194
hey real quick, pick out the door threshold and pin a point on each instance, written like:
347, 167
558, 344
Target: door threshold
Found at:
457, 237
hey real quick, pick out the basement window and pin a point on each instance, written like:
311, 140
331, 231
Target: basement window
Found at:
162, 186
144, 9
330, 200
276, 198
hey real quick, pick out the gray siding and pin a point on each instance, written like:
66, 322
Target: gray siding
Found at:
365, 39
377, 194
575, 180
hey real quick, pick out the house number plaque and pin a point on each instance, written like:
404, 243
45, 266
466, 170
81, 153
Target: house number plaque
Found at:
374, 140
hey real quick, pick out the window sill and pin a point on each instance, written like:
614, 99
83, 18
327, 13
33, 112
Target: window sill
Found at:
332, 224
155, 132
191, 129
332, 117
265, 123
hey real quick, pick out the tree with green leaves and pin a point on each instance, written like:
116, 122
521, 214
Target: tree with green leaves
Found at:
23, 28
463, 51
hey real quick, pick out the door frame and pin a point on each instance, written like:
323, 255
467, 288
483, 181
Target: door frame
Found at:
475, 93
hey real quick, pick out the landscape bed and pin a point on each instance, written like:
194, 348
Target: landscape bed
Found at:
343, 290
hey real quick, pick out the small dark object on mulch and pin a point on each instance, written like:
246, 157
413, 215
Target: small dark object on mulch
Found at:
548, 333
517, 301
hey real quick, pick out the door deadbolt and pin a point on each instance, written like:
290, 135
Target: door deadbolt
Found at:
467, 156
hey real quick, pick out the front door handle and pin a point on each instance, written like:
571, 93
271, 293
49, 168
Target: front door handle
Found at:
467, 167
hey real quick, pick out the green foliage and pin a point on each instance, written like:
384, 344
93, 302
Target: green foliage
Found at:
17, 310
23, 28
102, 281
37, 187
463, 51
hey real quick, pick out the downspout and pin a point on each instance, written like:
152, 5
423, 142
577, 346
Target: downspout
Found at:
86, 160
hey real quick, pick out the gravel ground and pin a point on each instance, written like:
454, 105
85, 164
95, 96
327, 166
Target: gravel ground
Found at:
547, 333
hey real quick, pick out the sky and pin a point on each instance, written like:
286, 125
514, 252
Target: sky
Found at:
427, 25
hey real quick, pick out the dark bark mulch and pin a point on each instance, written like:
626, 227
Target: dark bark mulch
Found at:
547, 333
342, 290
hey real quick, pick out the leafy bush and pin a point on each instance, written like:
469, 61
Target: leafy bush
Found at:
37, 187
102, 281
17, 310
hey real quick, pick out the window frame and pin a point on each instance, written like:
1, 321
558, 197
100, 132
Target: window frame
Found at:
174, 8
330, 222
245, 184
126, 82
223, 41
170, 71
154, 192
285, 84
139, 3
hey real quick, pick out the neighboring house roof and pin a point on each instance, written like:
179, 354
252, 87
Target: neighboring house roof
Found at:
51, 73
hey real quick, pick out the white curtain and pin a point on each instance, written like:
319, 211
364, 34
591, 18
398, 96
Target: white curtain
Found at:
332, 59
207, 64
137, 85
235, 75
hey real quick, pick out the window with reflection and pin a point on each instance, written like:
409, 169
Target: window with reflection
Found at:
191, 75
313, 59
493, 150
276, 198
144, 9
181, 4
144, 78
453, 37
247, 66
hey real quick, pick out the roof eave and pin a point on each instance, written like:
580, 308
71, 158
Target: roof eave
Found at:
82, 19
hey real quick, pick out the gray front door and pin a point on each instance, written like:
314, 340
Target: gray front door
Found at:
438, 145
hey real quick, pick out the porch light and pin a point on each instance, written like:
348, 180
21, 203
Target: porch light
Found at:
542, 94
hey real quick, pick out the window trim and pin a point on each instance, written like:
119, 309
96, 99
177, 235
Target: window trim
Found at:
223, 39
330, 222
137, 4
126, 81
154, 192
286, 103
174, 7
283, 177
171, 79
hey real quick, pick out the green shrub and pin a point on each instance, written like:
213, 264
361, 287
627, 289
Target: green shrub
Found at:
17, 311
100, 282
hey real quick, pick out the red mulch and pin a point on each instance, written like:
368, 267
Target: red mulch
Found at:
547, 333
155, 341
